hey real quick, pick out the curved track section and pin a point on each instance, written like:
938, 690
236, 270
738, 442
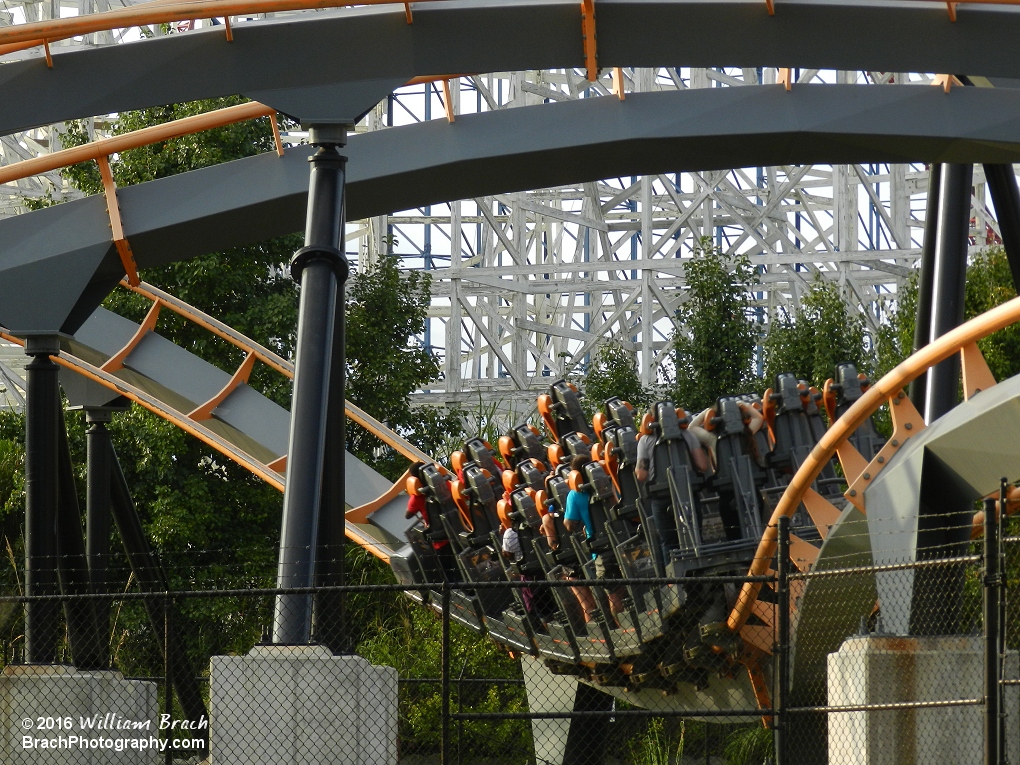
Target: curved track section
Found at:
112, 356
528, 147
290, 62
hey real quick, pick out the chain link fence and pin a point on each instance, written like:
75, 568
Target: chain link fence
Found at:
833, 680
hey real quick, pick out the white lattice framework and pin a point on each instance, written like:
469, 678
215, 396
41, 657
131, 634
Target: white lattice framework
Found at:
538, 280
527, 285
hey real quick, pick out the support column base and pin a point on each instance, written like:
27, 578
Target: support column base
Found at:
292, 705
106, 712
879, 669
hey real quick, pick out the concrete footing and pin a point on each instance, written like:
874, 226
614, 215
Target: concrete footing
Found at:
879, 669
301, 705
56, 715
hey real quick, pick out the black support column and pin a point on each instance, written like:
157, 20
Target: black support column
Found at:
946, 510
42, 465
88, 648
151, 578
321, 268
948, 283
330, 607
97, 515
922, 325
1006, 198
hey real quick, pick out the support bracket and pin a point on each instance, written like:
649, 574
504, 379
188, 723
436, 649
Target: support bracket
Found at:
907, 422
976, 374
448, 101
618, 83
588, 39
127, 258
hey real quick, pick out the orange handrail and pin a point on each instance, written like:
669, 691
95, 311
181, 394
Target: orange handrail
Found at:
277, 362
199, 431
39, 32
891, 384
217, 327
104, 147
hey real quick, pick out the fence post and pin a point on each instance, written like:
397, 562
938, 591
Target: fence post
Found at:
992, 628
445, 732
168, 686
780, 717
1003, 581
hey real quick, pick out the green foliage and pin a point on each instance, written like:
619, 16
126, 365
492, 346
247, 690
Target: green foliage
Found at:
714, 357
173, 156
990, 283
613, 372
12, 504
895, 340
410, 639
38, 203
657, 746
12, 463
822, 333
386, 311
749, 746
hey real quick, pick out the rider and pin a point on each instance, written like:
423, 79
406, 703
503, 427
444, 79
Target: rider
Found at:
417, 506
753, 421
576, 516
644, 472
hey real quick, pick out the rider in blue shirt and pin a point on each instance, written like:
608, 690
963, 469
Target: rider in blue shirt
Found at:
577, 512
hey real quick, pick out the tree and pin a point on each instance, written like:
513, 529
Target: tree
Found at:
714, 354
895, 338
613, 372
386, 312
822, 333
990, 283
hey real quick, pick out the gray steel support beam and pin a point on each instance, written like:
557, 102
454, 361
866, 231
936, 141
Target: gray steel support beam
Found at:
1006, 198
922, 322
282, 59
321, 269
42, 466
514, 149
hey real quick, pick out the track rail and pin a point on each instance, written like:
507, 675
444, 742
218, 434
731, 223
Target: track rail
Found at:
33, 34
272, 473
277, 362
30, 35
